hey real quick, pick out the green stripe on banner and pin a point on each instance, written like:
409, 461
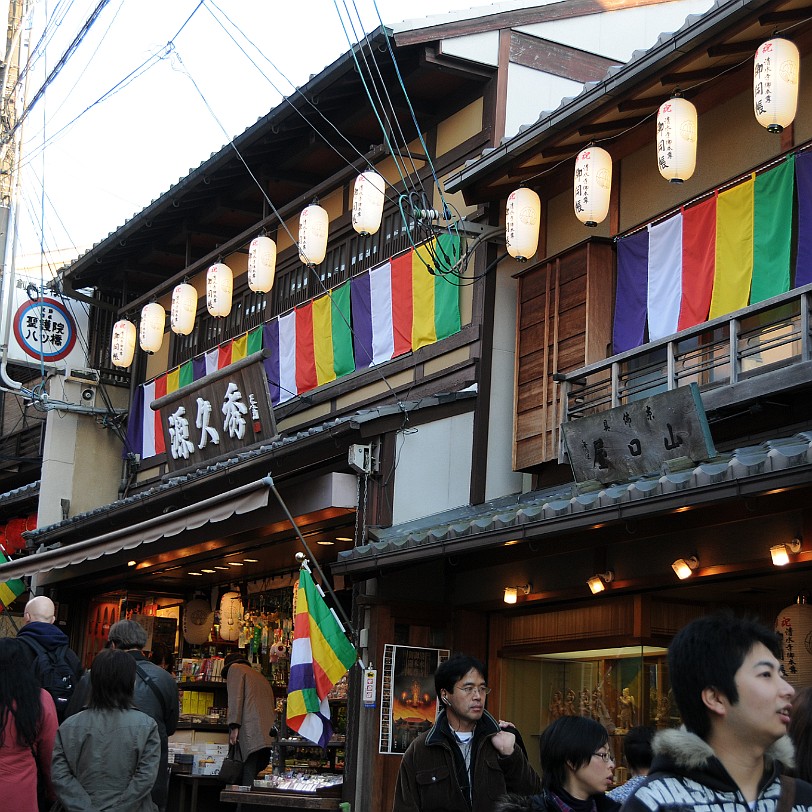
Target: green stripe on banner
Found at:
446, 292
343, 358
255, 340
186, 375
772, 238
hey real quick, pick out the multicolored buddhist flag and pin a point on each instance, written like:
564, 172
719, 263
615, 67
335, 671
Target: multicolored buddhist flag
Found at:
321, 654
9, 590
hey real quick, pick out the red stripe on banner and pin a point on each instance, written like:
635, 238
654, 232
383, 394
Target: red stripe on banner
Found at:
160, 391
224, 355
306, 377
402, 302
698, 262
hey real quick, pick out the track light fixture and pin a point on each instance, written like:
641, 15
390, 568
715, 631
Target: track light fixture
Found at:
512, 592
780, 553
597, 583
684, 567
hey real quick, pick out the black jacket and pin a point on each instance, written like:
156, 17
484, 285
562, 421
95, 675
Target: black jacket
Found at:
432, 773
50, 638
544, 803
686, 775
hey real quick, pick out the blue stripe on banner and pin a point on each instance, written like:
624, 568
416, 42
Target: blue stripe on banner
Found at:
199, 367
270, 342
632, 283
803, 178
361, 308
135, 428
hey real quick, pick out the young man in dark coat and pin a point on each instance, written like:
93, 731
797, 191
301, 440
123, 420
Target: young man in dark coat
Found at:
735, 705
466, 760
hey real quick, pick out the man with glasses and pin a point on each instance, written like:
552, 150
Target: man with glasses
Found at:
467, 759
735, 705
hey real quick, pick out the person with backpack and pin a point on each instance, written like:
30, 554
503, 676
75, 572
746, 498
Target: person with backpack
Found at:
46, 648
156, 694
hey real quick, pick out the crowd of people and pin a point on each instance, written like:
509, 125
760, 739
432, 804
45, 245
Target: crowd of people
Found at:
745, 744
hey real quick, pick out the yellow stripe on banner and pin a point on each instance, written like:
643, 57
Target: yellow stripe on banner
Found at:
239, 348
734, 249
173, 380
423, 330
6, 595
324, 655
323, 339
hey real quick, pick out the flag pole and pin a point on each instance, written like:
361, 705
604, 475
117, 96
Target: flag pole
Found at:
347, 621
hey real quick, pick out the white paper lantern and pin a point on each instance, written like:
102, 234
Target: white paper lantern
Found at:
313, 224
522, 220
153, 324
367, 202
230, 615
197, 621
219, 287
775, 84
592, 185
261, 264
122, 346
184, 308
676, 139
794, 624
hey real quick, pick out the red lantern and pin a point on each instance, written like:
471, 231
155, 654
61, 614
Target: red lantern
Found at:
14, 535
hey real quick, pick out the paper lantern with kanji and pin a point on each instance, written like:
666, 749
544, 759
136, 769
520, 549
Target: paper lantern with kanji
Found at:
775, 84
230, 615
676, 139
367, 202
122, 344
261, 264
198, 618
313, 225
153, 324
592, 185
184, 308
522, 221
794, 624
219, 288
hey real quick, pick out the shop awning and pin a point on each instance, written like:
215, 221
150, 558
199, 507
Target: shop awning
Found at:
244, 499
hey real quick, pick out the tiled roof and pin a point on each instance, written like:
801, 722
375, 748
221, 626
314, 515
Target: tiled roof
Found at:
437, 534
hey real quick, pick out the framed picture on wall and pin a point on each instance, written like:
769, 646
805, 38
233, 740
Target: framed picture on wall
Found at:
408, 699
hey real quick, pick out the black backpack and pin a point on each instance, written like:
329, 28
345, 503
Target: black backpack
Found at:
55, 671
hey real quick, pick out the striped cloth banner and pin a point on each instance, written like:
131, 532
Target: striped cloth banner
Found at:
12, 589
320, 655
708, 260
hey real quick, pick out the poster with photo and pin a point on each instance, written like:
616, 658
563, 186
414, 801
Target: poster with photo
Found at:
408, 700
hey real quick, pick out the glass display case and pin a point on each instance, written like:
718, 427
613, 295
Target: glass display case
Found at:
618, 687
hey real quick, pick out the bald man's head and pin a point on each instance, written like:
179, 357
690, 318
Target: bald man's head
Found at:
39, 609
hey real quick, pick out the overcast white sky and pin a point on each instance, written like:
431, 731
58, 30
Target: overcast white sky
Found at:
127, 150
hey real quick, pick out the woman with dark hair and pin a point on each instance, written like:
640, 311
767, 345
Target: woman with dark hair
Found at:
800, 731
107, 757
27, 729
577, 769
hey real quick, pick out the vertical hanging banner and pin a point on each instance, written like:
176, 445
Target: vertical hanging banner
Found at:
44, 329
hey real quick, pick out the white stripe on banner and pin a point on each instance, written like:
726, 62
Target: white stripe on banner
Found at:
287, 357
212, 358
664, 277
380, 289
148, 422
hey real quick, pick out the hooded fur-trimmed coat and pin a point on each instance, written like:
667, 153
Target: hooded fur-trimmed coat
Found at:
686, 775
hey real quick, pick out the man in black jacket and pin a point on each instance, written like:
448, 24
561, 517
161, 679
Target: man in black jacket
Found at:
47, 650
735, 704
156, 694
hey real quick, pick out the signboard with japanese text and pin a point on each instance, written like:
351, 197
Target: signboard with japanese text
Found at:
227, 411
408, 698
637, 438
44, 329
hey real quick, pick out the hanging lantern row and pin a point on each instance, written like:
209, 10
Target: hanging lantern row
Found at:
775, 100
184, 309
261, 264
367, 203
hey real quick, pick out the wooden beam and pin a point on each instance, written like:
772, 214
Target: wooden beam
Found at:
556, 59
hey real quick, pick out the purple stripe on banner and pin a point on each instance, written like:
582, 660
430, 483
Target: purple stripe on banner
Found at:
198, 367
361, 308
803, 177
270, 342
301, 677
135, 428
632, 284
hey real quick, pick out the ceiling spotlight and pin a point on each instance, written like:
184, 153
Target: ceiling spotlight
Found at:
684, 567
251, 560
343, 538
512, 592
131, 563
780, 552
208, 572
194, 573
597, 583
219, 567
235, 564
326, 543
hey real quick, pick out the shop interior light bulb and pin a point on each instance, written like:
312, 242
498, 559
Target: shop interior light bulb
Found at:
511, 594
684, 567
780, 552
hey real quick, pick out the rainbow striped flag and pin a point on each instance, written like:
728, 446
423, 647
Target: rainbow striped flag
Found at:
9, 590
320, 656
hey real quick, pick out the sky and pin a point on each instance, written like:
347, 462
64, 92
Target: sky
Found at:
128, 115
